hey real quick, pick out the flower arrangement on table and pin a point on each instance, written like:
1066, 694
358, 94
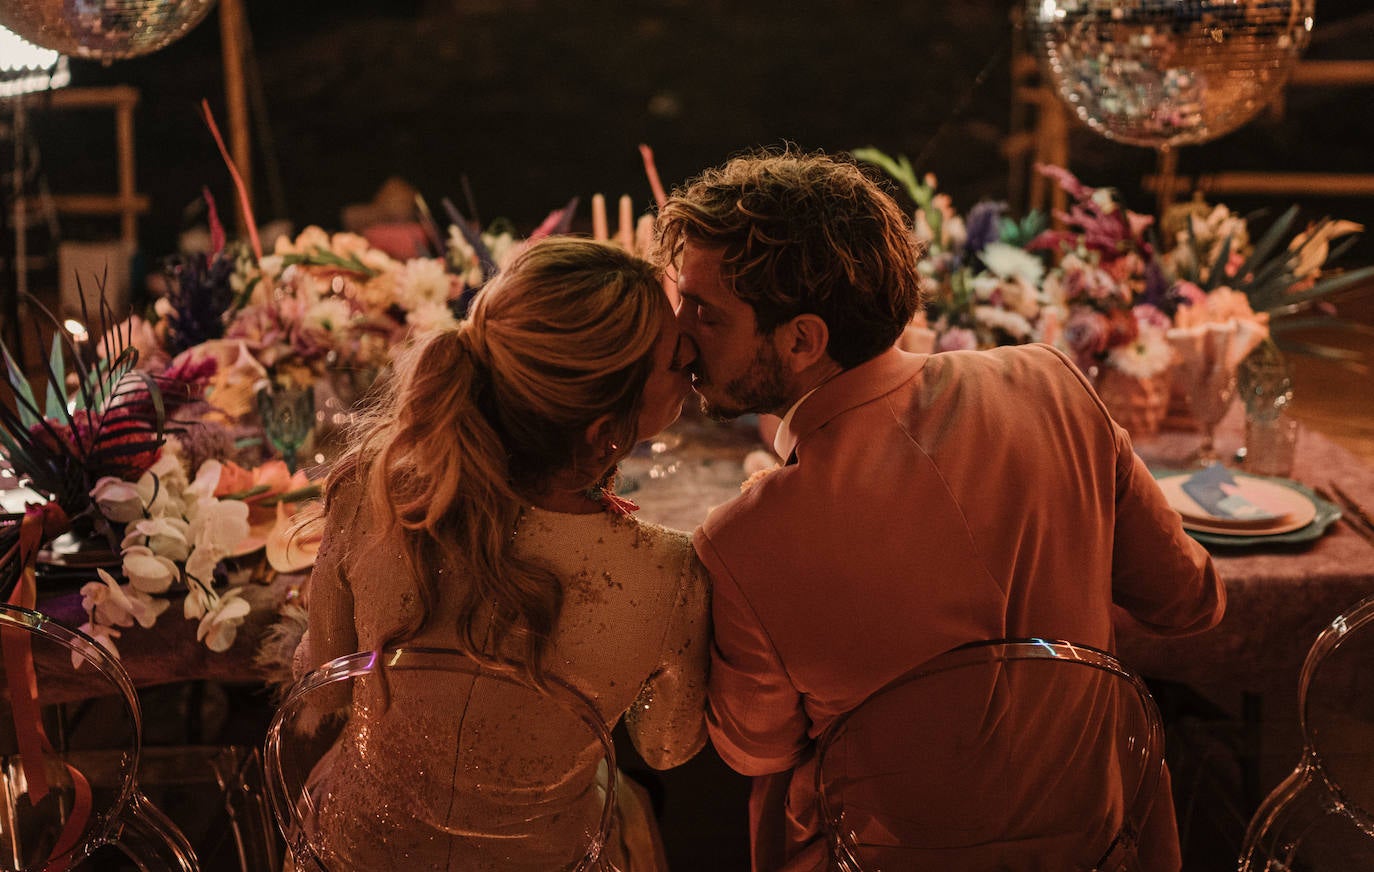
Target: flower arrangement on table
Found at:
1101, 287
178, 534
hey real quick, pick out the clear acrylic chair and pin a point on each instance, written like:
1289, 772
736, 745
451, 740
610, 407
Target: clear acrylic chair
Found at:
447, 783
51, 816
1322, 815
1015, 754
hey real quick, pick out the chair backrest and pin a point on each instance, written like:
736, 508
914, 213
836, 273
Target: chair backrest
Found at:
66, 703
1322, 815
1022, 753
458, 764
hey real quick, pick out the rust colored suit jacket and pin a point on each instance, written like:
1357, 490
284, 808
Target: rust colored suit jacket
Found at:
928, 501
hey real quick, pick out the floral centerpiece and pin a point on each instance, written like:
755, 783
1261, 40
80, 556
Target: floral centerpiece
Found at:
1100, 286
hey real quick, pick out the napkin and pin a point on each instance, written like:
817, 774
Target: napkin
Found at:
1218, 493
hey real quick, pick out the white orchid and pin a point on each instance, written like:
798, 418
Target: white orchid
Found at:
207, 479
176, 532
149, 572
166, 536
219, 525
160, 487
101, 633
220, 623
112, 604
118, 500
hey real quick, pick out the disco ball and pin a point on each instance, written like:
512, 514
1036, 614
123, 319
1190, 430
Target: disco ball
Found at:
104, 30
1167, 72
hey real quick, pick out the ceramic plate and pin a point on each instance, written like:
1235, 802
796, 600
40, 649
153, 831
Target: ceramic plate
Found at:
1325, 514
1271, 506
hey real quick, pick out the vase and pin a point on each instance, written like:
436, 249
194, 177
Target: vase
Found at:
1138, 404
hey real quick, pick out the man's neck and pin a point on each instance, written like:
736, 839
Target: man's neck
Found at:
808, 380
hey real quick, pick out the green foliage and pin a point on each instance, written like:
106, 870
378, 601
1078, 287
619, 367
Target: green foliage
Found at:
113, 418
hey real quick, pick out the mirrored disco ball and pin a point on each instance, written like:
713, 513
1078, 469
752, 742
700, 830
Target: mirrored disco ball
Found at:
103, 30
1167, 72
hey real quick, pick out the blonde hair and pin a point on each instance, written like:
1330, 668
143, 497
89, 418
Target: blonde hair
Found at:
476, 418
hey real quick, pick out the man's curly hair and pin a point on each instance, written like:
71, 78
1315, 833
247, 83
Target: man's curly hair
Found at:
803, 234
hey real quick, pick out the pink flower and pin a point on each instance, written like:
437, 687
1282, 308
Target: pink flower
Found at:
1151, 317
957, 339
1188, 294
1082, 281
1087, 333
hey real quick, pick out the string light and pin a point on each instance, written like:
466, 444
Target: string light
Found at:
25, 68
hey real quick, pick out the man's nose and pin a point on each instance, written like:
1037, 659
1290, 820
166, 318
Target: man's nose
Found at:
686, 316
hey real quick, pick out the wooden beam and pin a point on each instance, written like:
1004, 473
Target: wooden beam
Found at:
231, 26
100, 204
1332, 74
110, 97
1303, 184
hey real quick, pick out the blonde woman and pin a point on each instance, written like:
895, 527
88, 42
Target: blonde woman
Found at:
474, 512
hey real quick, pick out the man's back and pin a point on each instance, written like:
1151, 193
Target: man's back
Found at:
933, 501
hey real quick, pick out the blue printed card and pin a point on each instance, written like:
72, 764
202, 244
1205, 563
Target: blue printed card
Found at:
1218, 493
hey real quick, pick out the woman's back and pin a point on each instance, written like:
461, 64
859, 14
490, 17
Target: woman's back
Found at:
498, 763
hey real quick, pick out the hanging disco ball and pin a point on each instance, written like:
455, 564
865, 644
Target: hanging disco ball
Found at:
1167, 72
103, 30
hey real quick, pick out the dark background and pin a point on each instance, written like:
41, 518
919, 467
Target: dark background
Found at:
535, 101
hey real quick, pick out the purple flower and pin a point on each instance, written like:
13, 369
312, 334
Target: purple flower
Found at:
983, 225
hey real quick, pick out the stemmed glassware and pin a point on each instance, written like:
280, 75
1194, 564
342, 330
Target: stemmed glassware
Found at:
288, 416
1211, 390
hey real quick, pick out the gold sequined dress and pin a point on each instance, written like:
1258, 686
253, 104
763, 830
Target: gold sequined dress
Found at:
634, 628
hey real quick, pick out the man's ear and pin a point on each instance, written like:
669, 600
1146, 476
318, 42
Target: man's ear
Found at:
804, 340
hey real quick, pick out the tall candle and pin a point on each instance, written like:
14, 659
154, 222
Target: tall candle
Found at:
599, 218
625, 235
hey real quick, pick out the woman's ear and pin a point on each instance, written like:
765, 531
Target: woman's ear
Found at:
601, 438
805, 340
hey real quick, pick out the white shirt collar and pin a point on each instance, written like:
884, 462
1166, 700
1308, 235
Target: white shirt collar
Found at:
780, 438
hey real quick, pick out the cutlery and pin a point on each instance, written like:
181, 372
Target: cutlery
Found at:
1352, 512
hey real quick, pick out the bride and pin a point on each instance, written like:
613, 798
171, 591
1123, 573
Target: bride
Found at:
474, 511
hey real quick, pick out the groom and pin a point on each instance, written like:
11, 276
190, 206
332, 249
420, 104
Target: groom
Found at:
925, 501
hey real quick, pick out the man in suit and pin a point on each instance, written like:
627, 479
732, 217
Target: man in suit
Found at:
925, 501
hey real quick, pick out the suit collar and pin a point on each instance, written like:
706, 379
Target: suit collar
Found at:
852, 387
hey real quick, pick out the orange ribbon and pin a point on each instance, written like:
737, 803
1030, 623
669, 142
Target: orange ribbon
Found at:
41, 523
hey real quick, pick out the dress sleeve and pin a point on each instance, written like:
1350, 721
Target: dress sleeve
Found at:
667, 720
755, 716
332, 632
1160, 575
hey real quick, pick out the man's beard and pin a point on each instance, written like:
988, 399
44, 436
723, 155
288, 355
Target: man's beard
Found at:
761, 388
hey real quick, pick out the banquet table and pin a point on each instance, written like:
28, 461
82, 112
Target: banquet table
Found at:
1278, 597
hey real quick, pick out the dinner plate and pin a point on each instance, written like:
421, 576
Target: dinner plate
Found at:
1327, 513
1262, 506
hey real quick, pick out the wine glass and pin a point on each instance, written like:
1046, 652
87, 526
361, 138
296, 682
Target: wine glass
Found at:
288, 415
1211, 390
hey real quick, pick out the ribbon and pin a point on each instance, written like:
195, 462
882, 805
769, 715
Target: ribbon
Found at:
41, 523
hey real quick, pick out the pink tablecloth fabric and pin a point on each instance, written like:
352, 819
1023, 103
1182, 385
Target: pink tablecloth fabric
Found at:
1278, 598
